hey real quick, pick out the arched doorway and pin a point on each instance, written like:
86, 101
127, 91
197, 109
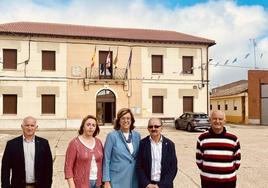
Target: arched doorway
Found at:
105, 109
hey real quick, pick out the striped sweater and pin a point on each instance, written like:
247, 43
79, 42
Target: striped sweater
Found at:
218, 156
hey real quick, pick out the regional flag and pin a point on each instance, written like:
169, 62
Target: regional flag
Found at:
128, 62
93, 59
116, 58
129, 59
108, 60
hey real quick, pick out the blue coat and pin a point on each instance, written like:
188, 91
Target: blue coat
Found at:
168, 163
119, 164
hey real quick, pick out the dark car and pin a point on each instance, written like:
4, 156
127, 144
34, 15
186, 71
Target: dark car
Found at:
193, 121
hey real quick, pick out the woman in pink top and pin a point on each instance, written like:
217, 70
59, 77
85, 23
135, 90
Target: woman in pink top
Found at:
83, 161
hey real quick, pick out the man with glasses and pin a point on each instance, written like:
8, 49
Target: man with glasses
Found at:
157, 161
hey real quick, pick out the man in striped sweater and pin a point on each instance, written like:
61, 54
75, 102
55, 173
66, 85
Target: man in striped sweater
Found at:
218, 154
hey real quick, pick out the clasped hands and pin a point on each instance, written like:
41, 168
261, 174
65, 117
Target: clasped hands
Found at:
152, 186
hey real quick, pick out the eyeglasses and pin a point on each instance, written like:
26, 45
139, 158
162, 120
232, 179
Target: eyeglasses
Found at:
154, 126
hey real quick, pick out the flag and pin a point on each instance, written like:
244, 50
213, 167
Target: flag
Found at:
129, 59
128, 62
116, 58
108, 60
102, 69
93, 59
235, 60
216, 64
246, 56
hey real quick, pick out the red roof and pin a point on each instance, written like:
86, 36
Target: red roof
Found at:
82, 31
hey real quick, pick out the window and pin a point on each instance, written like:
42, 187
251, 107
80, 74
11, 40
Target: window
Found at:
187, 64
9, 59
188, 104
211, 107
105, 64
157, 104
157, 64
9, 104
201, 116
235, 108
226, 107
48, 104
219, 107
48, 60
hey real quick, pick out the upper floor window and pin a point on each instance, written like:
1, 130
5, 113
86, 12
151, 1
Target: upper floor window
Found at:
9, 104
48, 104
187, 64
48, 60
157, 64
188, 103
105, 64
9, 59
158, 104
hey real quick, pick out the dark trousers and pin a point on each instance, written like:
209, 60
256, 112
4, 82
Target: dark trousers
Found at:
206, 184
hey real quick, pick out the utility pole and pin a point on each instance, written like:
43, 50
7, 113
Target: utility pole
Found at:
254, 52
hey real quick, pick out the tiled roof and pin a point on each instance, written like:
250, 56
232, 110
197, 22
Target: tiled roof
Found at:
82, 31
230, 89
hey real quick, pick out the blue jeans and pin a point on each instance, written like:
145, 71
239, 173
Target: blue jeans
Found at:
93, 184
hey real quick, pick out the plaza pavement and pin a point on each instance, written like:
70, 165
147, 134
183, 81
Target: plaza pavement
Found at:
252, 173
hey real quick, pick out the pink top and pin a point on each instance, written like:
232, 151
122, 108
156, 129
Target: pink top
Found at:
78, 161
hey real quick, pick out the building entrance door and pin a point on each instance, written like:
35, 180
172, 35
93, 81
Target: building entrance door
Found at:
264, 104
105, 109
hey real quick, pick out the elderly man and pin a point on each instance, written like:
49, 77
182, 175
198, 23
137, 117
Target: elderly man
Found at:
28, 158
157, 161
218, 154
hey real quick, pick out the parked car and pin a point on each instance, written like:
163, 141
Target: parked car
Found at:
191, 121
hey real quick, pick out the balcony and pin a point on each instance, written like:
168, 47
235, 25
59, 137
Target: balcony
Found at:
102, 76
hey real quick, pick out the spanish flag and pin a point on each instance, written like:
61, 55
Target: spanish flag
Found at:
93, 59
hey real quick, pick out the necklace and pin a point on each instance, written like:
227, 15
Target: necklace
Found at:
129, 139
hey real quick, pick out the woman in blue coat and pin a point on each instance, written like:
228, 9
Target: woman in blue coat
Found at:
120, 152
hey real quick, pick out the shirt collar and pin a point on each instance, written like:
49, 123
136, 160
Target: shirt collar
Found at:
212, 132
160, 141
24, 139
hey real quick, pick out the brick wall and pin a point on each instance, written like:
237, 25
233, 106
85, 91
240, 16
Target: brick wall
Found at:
255, 79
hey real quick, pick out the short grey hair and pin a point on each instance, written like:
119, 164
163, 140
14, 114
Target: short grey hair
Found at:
155, 118
28, 117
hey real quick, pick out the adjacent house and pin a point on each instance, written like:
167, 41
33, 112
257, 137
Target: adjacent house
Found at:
59, 73
233, 100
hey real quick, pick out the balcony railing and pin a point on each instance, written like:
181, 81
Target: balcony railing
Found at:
111, 73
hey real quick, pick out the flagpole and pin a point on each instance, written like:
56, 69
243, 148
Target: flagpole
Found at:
90, 72
86, 72
114, 72
254, 53
115, 62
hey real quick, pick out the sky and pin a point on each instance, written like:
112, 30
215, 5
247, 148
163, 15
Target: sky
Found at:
239, 27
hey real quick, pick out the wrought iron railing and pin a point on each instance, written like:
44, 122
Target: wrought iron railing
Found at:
112, 73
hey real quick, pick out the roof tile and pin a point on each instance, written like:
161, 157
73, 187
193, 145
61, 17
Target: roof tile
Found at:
68, 30
230, 89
